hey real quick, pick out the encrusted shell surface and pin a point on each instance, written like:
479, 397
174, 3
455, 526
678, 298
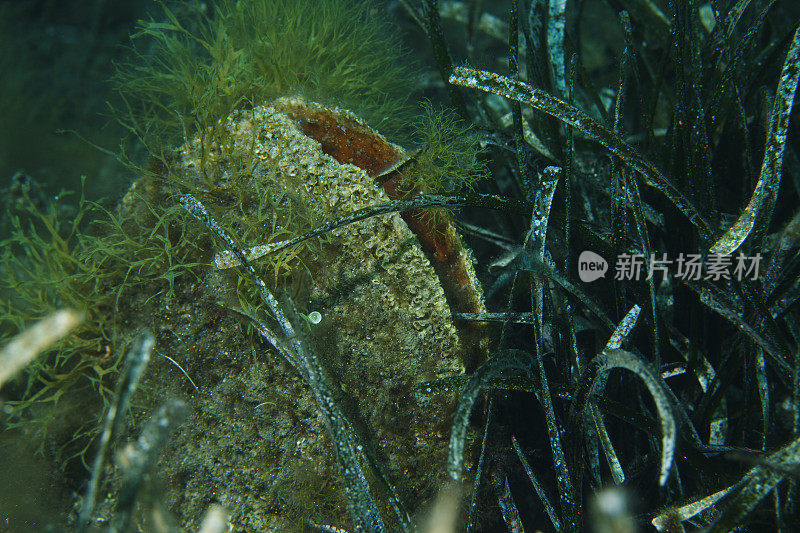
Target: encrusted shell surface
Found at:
256, 442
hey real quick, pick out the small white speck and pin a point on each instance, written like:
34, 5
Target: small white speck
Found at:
315, 317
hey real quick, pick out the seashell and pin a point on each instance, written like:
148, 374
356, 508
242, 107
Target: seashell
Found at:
385, 286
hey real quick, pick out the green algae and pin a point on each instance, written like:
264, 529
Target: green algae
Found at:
188, 75
447, 161
90, 259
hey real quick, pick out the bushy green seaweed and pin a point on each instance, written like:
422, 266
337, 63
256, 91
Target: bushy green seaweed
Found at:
448, 158
91, 259
189, 74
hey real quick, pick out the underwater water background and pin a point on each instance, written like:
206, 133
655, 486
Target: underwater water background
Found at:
424, 334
